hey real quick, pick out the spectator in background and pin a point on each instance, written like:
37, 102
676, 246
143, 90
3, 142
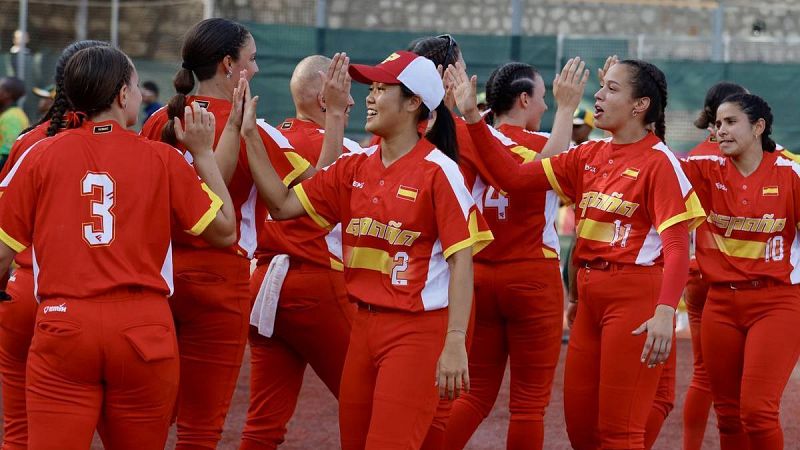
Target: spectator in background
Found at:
582, 126
12, 119
150, 99
46, 95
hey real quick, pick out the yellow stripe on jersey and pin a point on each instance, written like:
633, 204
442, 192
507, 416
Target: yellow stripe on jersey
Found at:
551, 177
525, 153
477, 239
596, 231
299, 164
694, 215
549, 254
740, 248
11, 242
790, 156
319, 220
336, 265
205, 220
370, 259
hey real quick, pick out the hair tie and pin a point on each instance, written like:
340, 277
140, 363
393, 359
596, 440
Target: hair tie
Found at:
74, 119
186, 65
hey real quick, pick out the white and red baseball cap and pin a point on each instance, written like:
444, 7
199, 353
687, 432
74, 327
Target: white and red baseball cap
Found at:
415, 72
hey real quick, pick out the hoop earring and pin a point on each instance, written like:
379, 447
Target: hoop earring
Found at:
228, 76
635, 113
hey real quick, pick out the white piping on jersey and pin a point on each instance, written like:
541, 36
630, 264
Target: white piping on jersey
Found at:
505, 140
651, 248
435, 293
783, 162
166, 270
714, 158
364, 151
550, 235
334, 241
13, 171
794, 259
478, 191
276, 135
248, 240
683, 180
351, 145
454, 177
35, 275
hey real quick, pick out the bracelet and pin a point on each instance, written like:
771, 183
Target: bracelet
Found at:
457, 331
575, 301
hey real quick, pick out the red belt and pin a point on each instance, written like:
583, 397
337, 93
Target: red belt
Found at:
750, 284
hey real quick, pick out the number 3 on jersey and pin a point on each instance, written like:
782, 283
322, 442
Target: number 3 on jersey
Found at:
100, 187
495, 199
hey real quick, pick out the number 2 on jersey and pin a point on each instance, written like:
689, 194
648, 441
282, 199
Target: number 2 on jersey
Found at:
499, 201
100, 187
400, 266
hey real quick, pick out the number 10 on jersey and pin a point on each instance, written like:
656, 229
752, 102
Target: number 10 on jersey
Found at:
99, 187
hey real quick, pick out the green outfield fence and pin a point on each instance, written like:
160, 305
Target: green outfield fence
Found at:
280, 47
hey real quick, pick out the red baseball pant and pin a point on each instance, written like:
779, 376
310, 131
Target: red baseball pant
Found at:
108, 363
17, 318
519, 309
388, 395
608, 391
664, 400
698, 400
211, 308
751, 342
312, 326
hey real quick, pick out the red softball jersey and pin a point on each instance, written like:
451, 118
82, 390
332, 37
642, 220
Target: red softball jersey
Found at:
23, 143
626, 195
302, 238
751, 228
399, 223
523, 223
95, 205
241, 187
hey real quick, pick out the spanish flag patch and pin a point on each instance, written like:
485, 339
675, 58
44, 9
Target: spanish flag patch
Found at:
631, 173
769, 191
407, 193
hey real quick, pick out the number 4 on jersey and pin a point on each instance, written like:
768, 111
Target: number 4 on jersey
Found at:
100, 187
495, 199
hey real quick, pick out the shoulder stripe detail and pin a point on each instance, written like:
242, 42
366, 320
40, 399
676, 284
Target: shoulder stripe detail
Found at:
13, 171
454, 177
299, 165
276, 135
547, 165
11, 242
309, 207
717, 159
205, 220
505, 140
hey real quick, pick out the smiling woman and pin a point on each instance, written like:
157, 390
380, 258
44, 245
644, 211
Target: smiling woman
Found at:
750, 340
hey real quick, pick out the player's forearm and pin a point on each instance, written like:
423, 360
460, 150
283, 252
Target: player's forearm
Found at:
561, 135
511, 175
460, 291
676, 264
227, 152
334, 138
270, 187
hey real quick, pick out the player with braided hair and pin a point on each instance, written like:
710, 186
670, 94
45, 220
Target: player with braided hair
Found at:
211, 304
636, 207
516, 317
18, 314
750, 339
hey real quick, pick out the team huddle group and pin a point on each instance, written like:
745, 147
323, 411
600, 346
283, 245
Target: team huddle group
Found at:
407, 273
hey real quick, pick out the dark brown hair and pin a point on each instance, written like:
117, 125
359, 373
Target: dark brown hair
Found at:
506, 83
755, 108
443, 132
206, 44
649, 81
714, 97
93, 78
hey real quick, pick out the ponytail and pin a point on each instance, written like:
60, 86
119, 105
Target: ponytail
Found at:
649, 81
184, 84
443, 132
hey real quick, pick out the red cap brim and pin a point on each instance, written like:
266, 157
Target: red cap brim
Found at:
363, 73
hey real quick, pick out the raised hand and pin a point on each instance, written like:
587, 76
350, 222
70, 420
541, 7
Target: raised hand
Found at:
249, 115
465, 91
569, 84
336, 84
196, 132
237, 103
601, 73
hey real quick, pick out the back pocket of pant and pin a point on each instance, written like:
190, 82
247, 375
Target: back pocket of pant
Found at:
152, 342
